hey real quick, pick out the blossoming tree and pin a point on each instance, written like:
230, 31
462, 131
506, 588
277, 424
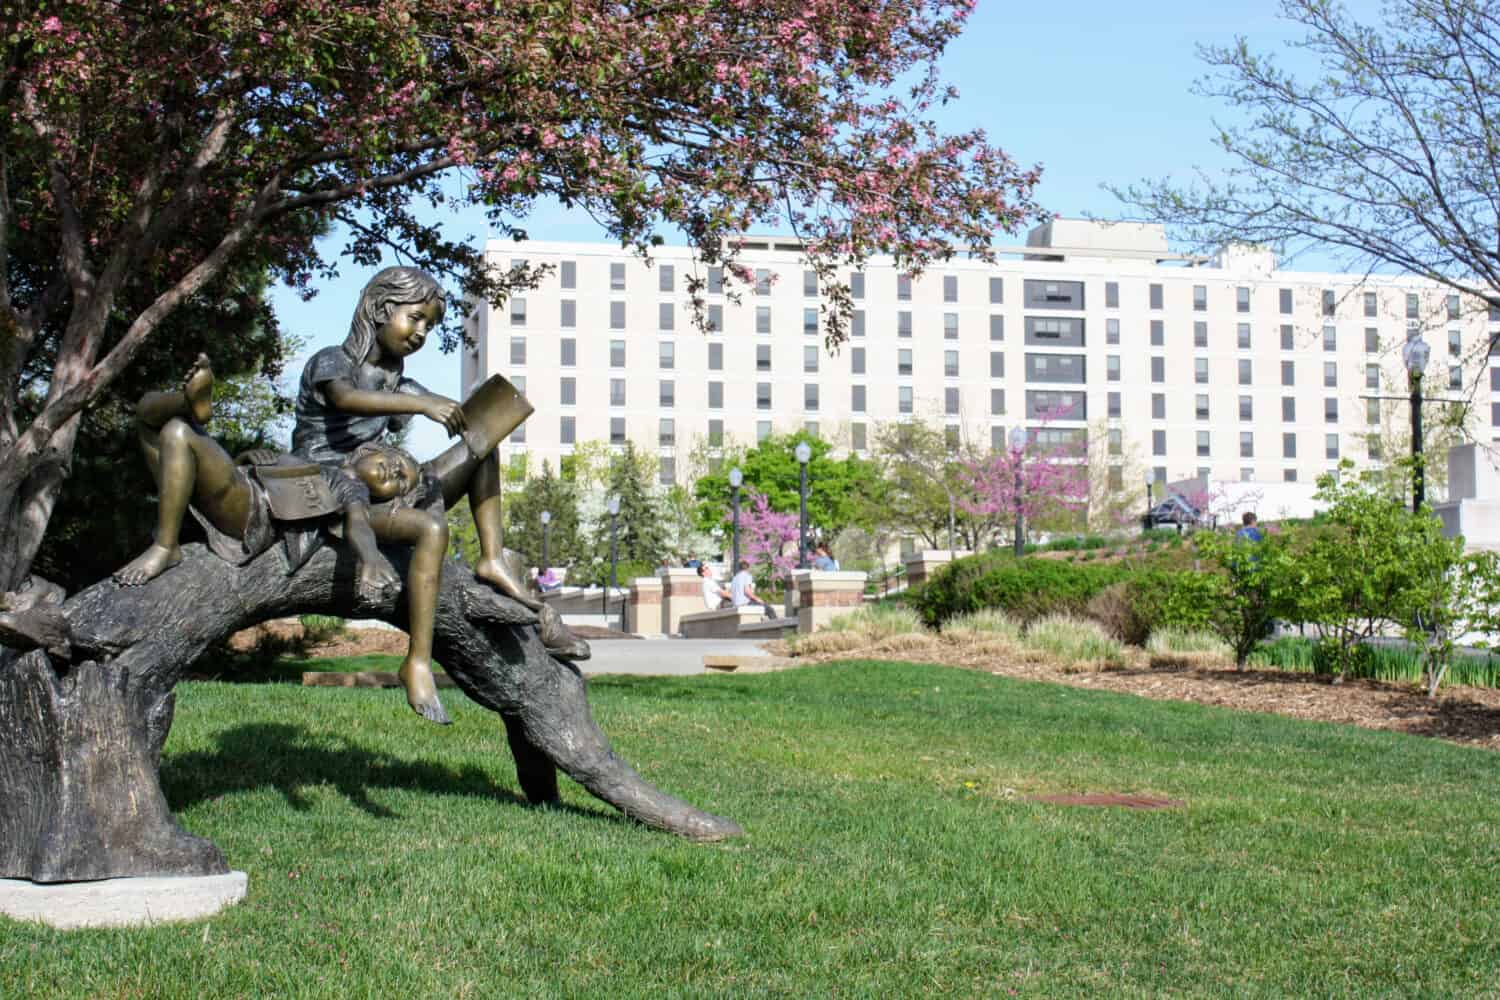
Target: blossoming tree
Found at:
765, 535
145, 148
1028, 482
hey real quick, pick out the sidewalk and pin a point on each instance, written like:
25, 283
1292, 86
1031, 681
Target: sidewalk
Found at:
661, 657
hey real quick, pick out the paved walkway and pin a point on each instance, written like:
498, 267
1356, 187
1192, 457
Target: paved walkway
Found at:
661, 657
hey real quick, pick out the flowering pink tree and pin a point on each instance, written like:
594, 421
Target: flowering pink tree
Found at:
765, 535
1027, 483
145, 148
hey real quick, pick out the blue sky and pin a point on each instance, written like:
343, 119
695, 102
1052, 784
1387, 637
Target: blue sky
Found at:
1097, 92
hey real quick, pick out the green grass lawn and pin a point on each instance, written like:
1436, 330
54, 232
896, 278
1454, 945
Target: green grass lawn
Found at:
890, 851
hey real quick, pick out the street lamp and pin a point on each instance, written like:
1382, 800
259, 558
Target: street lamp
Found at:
736, 480
614, 544
1017, 440
546, 534
1415, 353
804, 455
1150, 500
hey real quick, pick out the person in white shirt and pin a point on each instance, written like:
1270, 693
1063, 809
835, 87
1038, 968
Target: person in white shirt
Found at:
714, 595
742, 589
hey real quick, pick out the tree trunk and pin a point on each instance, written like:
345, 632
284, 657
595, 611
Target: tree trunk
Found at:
85, 717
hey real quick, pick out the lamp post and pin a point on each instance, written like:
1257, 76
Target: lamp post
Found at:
546, 536
804, 455
1415, 353
613, 506
1150, 500
1017, 440
736, 480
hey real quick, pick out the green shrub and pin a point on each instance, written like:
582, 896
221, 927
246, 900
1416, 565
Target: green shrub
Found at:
1181, 599
989, 622
1077, 640
1027, 588
317, 629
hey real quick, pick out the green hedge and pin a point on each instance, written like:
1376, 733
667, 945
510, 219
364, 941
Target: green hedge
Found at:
1027, 588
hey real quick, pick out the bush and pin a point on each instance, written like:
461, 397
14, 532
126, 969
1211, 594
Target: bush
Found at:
879, 621
988, 623
1076, 640
1113, 609
1027, 588
1173, 639
1182, 599
318, 629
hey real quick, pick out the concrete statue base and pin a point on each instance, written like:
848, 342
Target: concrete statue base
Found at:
121, 902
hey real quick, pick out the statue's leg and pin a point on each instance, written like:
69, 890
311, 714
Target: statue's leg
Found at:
461, 473
428, 536
189, 467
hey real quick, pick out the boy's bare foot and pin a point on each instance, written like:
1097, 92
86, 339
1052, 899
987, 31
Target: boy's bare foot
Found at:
198, 387
148, 565
421, 691
493, 572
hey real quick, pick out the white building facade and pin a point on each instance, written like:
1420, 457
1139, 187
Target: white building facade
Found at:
1224, 369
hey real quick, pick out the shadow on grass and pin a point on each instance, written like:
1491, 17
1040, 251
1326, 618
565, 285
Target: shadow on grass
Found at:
290, 759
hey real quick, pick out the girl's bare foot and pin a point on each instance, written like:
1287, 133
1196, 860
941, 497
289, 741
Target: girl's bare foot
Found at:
421, 691
198, 387
149, 565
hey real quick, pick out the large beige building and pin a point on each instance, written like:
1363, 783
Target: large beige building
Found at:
1226, 368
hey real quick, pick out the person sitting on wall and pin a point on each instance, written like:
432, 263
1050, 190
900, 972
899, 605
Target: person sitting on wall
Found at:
548, 580
823, 559
715, 594
742, 590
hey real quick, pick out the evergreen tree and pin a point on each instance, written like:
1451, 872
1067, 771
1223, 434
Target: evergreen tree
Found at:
523, 519
642, 535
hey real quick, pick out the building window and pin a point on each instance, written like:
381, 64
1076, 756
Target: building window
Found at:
1057, 406
616, 277
762, 395
810, 397
1289, 409
567, 314
715, 318
1284, 301
950, 288
857, 398
568, 272
617, 315
1330, 410
1070, 368
666, 355
1158, 406
1112, 405
567, 391
1288, 373
666, 318
950, 401
617, 354
1244, 371
997, 402
810, 322
1372, 340
1330, 338
567, 352
903, 287
763, 280
1331, 446
1200, 333
1372, 411
1455, 377
1203, 445
1247, 444
1453, 311
1111, 331
762, 357
1288, 446
715, 357
716, 281
1372, 446
1200, 298
997, 291
716, 433
1287, 343
857, 361
616, 392
666, 277
1200, 406
762, 430
762, 319
666, 432
1116, 439
1154, 295
1330, 302
1413, 306
1495, 379
1242, 336
1158, 333
857, 285
857, 437
1330, 374
950, 326
1054, 294
1247, 407
1111, 295
666, 392
1455, 344
567, 430
517, 312
1158, 442
716, 395
1200, 371
616, 430
1158, 369
1112, 368
950, 364
903, 362
518, 350
1289, 475
903, 399
903, 323
1242, 299
1054, 332
997, 327
809, 358
997, 364
1370, 305
809, 282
